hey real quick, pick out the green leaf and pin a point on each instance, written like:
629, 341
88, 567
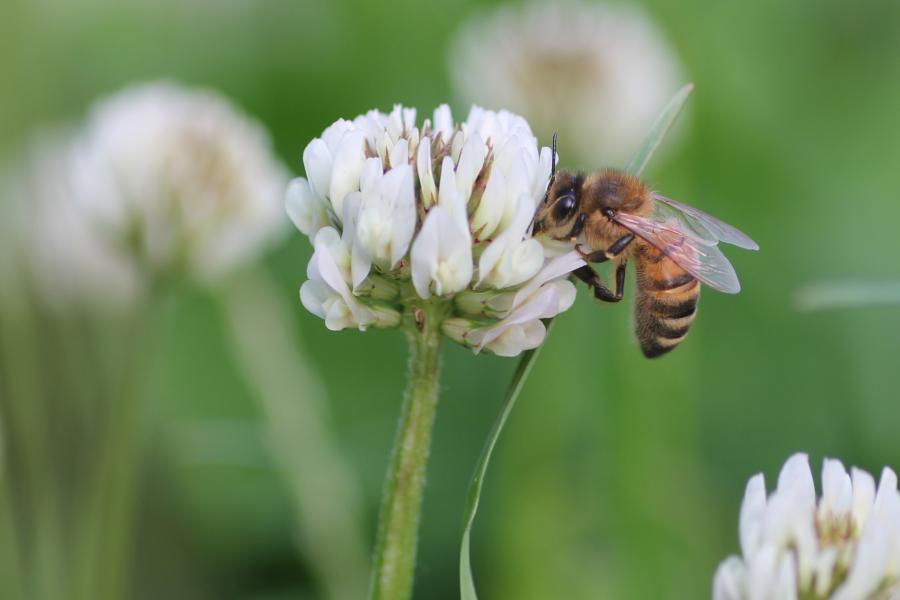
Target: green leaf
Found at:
466, 583
847, 294
658, 132
635, 167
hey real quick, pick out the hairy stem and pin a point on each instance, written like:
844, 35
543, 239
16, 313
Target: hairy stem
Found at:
395, 546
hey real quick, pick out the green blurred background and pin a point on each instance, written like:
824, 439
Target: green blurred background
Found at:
616, 477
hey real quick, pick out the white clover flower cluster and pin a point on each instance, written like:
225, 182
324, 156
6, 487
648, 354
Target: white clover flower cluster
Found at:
400, 216
844, 545
596, 74
160, 180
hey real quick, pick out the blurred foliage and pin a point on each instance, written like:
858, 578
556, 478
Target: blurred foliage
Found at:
616, 477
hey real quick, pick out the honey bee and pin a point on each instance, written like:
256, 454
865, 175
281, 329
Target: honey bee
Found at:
613, 216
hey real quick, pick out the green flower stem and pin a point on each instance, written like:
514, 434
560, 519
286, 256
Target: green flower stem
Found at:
121, 462
395, 546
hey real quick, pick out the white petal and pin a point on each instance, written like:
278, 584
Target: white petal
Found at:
566, 291
372, 172
424, 253
805, 539
313, 294
863, 497
509, 260
303, 208
326, 265
837, 491
492, 206
752, 515
541, 305
797, 476
317, 161
785, 587
454, 270
409, 119
426, 176
449, 195
404, 212
557, 267
443, 122
868, 568
762, 568
400, 153
339, 316
347, 167
730, 580
333, 134
395, 122
824, 570
471, 161
887, 488
518, 338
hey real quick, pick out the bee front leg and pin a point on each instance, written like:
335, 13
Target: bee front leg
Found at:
601, 292
615, 249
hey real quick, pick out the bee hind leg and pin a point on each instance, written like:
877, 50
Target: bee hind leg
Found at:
601, 291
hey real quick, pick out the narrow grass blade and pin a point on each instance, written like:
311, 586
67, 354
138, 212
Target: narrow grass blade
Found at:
658, 132
466, 582
635, 167
826, 295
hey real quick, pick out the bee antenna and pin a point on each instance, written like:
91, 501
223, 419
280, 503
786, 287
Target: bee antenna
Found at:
553, 158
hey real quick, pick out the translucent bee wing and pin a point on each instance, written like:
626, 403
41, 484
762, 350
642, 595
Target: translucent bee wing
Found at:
678, 220
720, 230
687, 247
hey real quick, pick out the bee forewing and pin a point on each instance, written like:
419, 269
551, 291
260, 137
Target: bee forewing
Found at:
685, 248
721, 230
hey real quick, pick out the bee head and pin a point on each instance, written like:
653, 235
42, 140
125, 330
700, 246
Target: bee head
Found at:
558, 215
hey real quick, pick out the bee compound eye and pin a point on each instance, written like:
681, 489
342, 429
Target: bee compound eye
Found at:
564, 207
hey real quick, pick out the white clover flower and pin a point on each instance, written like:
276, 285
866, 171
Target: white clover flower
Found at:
843, 546
403, 216
160, 181
55, 245
596, 74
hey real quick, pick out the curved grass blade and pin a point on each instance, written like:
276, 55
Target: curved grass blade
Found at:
466, 583
635, 167
658, 132
827, 295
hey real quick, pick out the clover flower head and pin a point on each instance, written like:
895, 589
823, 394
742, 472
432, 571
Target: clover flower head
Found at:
161, 180
191, 181
402, 215
596, 74
67, 260
843, 545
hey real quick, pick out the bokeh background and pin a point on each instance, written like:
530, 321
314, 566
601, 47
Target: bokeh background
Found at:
616, 477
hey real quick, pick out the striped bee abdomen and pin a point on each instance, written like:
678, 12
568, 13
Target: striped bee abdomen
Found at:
665, 306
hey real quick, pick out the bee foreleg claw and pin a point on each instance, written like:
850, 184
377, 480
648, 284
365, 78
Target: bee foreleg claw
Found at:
601, 291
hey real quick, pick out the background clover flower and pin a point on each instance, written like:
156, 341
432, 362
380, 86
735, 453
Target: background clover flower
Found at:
596, 74
160, 181
845, 545
401, 215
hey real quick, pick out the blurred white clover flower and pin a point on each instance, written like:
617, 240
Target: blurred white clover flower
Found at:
844, 545
596, 74
161, 180
401, 217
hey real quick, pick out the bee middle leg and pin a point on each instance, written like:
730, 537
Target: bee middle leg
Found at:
601, 292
